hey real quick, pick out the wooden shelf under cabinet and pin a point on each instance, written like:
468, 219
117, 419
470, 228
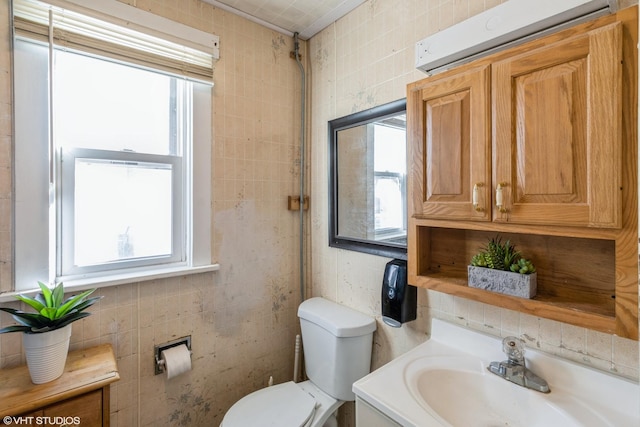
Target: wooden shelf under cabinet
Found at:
577, 281
546, 306
82, 390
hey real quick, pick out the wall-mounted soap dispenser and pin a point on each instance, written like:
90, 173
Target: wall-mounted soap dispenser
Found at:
399, 299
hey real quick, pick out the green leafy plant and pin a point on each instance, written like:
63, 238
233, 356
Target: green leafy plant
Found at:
502, 256
52, 310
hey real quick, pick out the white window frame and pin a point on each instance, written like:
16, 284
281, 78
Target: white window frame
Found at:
66, 268
35, 254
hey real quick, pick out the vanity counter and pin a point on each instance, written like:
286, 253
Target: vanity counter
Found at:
445, 382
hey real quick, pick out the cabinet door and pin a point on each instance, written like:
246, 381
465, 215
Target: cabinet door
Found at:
450, 146
557, 132
368, 416
88, 408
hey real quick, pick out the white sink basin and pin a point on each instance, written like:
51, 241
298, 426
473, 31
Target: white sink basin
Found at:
468, 395
441, 383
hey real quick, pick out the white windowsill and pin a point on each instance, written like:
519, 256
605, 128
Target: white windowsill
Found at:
119, 279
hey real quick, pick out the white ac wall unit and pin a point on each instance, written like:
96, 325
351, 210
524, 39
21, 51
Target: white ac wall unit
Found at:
508, 24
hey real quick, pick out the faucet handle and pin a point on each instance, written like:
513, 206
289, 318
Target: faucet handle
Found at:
513, 348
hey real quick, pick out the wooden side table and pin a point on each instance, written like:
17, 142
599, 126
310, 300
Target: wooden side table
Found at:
79, 397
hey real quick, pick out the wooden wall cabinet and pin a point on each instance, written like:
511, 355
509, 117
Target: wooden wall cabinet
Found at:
80, 394
537, 143
546, 122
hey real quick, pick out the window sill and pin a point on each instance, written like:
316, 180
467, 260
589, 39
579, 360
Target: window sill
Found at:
119, 279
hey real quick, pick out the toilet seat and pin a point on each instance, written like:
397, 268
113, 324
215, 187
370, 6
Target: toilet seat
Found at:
284, 404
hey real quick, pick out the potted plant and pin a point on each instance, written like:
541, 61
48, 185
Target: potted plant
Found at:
47, 332
499, 267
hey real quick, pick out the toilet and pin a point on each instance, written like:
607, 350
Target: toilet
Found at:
337, 345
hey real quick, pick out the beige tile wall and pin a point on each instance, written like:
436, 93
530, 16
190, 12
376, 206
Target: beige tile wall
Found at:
242, 319
364, 60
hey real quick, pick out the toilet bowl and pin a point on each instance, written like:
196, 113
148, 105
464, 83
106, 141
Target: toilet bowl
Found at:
337, 345
288, 404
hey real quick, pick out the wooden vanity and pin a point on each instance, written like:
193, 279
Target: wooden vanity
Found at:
82, 392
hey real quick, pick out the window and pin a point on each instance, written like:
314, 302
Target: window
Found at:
119, 137
110, 159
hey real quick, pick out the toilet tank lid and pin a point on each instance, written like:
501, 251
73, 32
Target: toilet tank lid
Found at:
339, 320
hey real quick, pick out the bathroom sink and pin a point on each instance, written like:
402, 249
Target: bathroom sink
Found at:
445, 382
462, 392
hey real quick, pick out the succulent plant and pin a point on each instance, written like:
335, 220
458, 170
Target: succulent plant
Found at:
523, 266
52, 310
502, 256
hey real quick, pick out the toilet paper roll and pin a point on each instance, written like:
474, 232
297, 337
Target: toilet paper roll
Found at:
177, 360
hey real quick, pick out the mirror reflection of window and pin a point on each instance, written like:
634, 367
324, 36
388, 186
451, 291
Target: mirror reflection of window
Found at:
390, 171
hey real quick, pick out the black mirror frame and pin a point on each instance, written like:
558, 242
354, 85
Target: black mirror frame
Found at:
373, 247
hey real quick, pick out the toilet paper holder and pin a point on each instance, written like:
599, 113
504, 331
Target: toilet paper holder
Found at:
158, 349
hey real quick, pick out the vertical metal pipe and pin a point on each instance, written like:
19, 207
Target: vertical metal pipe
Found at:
302, 160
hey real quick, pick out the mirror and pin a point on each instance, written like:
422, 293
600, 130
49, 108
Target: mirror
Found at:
367, 181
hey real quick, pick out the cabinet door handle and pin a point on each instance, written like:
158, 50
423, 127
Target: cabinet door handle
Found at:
475, 197
500, 197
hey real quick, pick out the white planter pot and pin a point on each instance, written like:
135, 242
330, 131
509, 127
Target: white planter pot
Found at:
504, 282
46, 353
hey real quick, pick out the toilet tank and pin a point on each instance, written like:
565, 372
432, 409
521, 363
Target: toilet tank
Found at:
337, 343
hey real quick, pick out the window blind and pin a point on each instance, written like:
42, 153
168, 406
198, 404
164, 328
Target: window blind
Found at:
77, 31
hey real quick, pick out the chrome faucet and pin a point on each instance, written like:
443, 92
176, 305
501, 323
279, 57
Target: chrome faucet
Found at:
514, 368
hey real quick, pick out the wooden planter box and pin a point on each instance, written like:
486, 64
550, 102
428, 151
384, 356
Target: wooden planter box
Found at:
504, 282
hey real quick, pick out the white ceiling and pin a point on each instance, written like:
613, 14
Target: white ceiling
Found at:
306, 17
